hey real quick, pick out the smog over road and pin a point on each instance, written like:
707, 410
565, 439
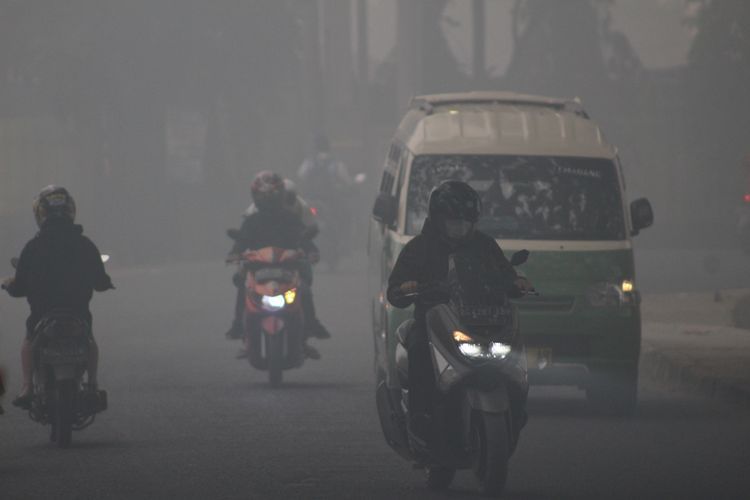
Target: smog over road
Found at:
258, 197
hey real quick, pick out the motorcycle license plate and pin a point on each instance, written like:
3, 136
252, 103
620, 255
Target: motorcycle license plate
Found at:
538, 357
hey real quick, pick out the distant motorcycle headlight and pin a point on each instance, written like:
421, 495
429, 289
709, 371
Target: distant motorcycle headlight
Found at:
290, 296
273, 303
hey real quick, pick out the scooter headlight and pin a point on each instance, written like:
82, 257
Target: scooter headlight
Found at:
470, 348
460, 337
273, 302
499, 350
290, 296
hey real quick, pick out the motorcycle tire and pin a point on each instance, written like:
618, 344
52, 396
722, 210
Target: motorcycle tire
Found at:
492, 436
275, 353
439, 478
64, 409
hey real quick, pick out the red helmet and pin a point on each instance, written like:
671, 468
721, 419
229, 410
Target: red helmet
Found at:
268, 190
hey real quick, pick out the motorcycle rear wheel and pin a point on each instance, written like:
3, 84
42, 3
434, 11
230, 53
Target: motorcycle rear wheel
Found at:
491, 431
64, 408
439, 478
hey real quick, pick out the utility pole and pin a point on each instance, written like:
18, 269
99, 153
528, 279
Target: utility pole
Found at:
478, 30
409, 28
338, 64
363, 77
312, 80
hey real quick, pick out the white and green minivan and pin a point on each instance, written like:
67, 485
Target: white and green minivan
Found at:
549, 183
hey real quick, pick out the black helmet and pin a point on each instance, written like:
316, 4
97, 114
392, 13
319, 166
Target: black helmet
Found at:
268, 191
455, 200
54, 202
454, 209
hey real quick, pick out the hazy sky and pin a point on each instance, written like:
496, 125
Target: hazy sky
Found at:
656, 28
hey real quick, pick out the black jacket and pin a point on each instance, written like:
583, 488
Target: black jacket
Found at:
59, 268
425, 260
281, 229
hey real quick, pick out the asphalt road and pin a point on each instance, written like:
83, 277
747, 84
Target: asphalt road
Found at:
186, 420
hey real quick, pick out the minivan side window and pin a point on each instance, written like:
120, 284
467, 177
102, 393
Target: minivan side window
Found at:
391, 166
401, 175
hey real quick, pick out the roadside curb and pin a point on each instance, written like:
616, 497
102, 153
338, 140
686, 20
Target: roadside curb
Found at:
673, 372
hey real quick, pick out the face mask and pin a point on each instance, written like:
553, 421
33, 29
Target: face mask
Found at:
457, 229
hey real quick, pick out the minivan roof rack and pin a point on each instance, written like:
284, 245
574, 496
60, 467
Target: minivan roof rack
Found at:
428, 103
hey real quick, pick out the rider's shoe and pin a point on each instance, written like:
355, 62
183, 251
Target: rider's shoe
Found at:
318, 331
235, 332
310, 351
23, 400
94, 399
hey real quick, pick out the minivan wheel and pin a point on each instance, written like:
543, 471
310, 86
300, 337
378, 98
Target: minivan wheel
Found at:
614, 391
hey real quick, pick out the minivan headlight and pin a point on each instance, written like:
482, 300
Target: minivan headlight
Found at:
610, 294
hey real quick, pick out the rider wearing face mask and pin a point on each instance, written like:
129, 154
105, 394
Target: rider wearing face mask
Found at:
454, 210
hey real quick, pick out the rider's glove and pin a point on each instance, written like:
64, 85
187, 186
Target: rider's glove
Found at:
523, 285
313, 257
8, 282
408, 287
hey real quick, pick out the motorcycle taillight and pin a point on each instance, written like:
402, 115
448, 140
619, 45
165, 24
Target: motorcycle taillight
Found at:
746, 198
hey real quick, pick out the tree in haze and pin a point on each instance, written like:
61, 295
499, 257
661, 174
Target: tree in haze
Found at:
719, 103
557, 47
105, 77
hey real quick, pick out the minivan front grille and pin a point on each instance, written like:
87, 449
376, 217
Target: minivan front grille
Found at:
551, 304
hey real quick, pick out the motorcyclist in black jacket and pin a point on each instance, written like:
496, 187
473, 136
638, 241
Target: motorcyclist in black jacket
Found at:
58, 269
273, 225
454, 209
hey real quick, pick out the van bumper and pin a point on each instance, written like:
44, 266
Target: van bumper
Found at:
566, 350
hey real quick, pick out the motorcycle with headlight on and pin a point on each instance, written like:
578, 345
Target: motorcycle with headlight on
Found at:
480, 377
273, 318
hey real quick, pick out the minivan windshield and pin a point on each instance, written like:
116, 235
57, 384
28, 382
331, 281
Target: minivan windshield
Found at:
527, 197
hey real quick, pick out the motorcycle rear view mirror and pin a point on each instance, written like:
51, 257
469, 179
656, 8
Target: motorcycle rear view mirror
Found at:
641, 214
519, 258
233, 234
385, 210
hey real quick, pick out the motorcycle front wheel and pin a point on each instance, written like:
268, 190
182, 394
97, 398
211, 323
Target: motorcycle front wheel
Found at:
492, 440
64, 408
275, 353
